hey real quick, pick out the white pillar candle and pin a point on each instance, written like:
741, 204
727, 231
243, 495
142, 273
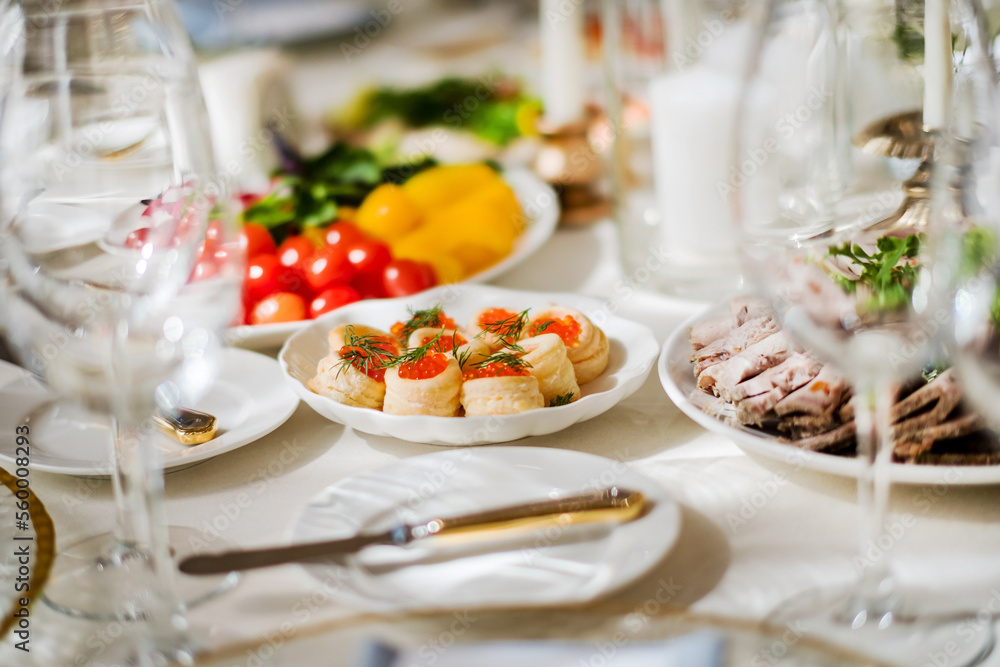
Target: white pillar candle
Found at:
693, 121
563, 60
937, 63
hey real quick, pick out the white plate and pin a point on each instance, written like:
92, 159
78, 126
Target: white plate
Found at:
541, 210
677, 377
549, 567
248, 398
633, 351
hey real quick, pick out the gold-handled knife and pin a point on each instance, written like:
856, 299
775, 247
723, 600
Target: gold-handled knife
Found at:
612, 504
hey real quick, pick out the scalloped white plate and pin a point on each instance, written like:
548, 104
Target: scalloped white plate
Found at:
541, 210
677, 378
633, 352
537, 569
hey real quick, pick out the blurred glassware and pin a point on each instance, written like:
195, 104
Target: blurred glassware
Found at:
120, 267
673, 74
852, 282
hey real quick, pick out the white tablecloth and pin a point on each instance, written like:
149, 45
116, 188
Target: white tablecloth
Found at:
755, 532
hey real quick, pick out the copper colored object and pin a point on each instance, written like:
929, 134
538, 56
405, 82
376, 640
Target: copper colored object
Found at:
567, 161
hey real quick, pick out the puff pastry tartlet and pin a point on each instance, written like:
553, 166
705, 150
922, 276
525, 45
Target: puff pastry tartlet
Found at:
549, 363
427, 386
488, 324
428, 318
586, 345
467, 351
501, 395
353, 372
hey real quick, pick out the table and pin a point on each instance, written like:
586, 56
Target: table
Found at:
738, 555
755, 532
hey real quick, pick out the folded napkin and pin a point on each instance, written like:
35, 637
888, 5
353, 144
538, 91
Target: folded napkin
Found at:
699, 649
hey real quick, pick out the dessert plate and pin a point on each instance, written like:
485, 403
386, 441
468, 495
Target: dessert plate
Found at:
546, 567
541, 211
633, 351
677, 378
248, 398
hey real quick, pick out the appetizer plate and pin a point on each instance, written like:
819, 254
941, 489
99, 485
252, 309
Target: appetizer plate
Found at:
545, 567
677, 377
541, 210
633, 351
248, 398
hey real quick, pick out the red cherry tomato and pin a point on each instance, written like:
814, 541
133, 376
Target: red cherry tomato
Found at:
261, 277
369, 257
327, 268
203, 270
293, 279
296, 251
279, 307
256, 240
333, 298
368, 286
343, 234
403, 277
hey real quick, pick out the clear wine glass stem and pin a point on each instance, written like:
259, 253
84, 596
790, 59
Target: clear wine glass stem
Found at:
875, 591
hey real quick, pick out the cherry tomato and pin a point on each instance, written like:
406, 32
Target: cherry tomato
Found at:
256, 240
296, 251
369, 286
327, 268
293, 279
261, 277
203, 270
369, 257
403, 277
333, 298
279, 307
343, 233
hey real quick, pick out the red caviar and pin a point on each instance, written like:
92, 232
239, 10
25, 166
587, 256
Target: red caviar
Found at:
566, 328
384, 351
430, 366
494, 370
494, 315
441, 322
445, 343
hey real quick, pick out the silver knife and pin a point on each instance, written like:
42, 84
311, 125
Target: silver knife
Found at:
612, 504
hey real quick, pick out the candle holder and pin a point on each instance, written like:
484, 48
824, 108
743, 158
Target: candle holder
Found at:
903, 136
567, 161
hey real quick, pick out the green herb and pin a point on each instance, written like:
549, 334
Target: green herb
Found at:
420, 319
563, 399
507, 330
979, 248
540, 327
931, 371
508, 359
492, 110
886, 272
366, 353
415, 354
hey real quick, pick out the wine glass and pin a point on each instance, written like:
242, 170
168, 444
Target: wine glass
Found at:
846, 252
120, 263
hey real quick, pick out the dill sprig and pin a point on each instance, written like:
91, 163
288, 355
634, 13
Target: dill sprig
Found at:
562, 399
508, 330
540, 327
421, 319
415, 354
508, 359
366, 352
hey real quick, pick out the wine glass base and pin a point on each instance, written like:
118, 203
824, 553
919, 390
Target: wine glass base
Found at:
892, 632
101, 579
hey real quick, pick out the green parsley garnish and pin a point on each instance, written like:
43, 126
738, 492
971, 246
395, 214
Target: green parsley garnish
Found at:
887, 272
562, 399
